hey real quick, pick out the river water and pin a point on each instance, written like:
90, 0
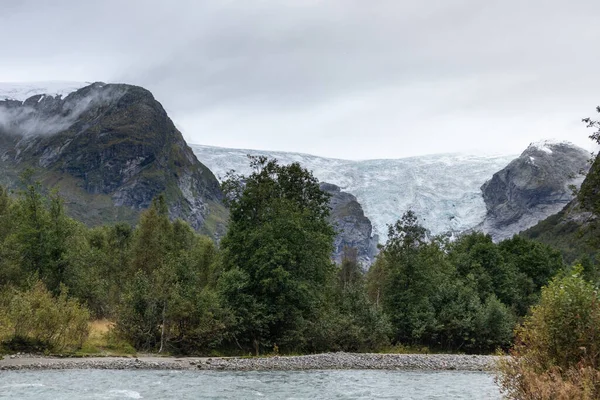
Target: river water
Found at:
314, 385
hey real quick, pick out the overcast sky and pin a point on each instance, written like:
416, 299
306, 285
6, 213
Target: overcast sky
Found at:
348, 78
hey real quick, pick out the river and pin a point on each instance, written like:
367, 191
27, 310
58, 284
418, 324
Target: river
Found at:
329, 384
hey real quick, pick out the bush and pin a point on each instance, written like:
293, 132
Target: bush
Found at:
557, 350
36, 320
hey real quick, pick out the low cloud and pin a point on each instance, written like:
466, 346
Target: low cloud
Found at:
340, 78
47, 115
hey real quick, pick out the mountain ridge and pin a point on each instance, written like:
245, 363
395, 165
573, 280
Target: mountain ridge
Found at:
446, 191
109, 148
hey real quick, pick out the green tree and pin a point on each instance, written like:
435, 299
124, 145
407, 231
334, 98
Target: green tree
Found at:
477, 258
41, 235
169, 302
10, 256
414, 268
533, 264
276, 253
354, 322
441, 294
589, 193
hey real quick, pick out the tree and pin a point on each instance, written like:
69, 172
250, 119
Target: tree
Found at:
413, 267
276, 253
441, 294
169, 302
353, 322
533, 265
350, 272
143, 314
589, 193
42, 234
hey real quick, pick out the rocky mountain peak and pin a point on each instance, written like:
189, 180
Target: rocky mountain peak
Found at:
532, 187
114, 144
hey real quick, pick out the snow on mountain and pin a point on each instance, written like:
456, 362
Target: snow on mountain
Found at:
23, 90
546, 145
443, 190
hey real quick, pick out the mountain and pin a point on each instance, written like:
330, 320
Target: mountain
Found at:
575, 230
443, 190
354, 229
532, 187
109, 149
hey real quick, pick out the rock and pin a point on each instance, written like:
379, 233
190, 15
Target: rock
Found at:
353, 228
532, 187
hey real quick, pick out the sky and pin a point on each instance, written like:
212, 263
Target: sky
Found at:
352, 79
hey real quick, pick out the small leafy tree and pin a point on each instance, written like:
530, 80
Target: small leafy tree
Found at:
169, 302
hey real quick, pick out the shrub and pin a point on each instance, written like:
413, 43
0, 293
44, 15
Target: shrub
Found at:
557, 349
36, 320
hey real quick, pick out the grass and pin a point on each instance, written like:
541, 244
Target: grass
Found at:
407, 349
102, 341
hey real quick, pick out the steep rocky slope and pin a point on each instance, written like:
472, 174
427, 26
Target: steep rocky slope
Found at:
532, 187
575, 230
353, 228
109, 149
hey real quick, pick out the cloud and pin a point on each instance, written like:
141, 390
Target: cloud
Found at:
344, 78
46, 115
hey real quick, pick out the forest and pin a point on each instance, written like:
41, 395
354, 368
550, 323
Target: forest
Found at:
268, 286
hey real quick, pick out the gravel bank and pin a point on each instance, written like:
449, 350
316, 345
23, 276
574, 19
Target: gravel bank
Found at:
309, 362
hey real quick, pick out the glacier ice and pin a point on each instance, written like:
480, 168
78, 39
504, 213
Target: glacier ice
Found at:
21, 91
443, 189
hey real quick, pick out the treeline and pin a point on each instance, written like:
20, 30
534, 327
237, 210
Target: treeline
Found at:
269, 286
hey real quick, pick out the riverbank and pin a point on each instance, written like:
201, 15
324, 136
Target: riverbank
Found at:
435, 362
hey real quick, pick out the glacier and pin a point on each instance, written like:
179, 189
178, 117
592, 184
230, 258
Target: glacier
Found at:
444, 190
21, 91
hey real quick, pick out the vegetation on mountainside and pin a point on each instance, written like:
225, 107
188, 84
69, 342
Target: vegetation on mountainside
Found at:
109, 162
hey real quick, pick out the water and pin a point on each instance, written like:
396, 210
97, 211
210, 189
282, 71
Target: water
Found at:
107, 384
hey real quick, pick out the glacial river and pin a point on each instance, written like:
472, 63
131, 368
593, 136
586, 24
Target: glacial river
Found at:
314, 385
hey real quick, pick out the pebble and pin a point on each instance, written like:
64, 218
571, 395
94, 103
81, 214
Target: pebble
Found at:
340, 360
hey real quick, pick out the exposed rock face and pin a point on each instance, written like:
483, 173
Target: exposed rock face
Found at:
109, 149
353, 228
532, 187
575, 230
